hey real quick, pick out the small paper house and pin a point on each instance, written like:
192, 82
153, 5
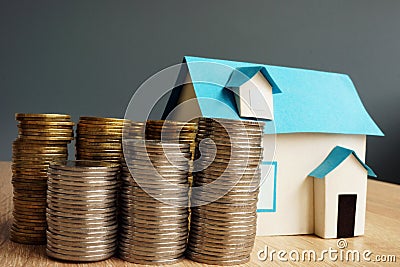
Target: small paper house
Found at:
307, 114
340, 194
253, 92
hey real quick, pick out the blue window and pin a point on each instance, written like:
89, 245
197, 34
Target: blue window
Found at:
267, 195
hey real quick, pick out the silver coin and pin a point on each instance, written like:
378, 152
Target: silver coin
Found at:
67, 186
85, 202
227, 183
213, 252
152, 241
135, 169
84, 183
215, 260
219, 241
227, 232
212, 249
160, 251
106, 196
56, 189
174, 162
205, 225
157, 153
223, 207
216, 214
78, 215
63, 254
129, 231
160, 216
77, 232
85, 174
202, 200
84, 165
78, 244
158, 201
80, 224
81, 207
83, 210
127, 256
166, 205
226, 176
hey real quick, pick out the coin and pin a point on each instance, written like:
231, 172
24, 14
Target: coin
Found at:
23, 116
51, 252
215, 260
127, 256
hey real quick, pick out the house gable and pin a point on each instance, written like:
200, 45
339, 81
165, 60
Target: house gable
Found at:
253, 97
187, 106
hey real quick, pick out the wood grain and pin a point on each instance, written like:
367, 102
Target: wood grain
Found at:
382, 234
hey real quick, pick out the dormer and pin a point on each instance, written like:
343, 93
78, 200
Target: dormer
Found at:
253, 92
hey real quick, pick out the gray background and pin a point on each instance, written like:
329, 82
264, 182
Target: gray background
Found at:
88, 57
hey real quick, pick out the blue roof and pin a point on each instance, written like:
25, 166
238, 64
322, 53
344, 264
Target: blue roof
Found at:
310, 101
334, 159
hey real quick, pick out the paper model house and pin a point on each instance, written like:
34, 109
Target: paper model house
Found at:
307, 114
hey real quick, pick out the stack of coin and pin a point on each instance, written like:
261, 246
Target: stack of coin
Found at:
154, 202
100, 139
81, 210
41, 139
225, 191
173, 132
134, 130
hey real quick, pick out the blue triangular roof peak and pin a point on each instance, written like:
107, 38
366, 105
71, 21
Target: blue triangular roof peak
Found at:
334, 159
311, 101
242, 74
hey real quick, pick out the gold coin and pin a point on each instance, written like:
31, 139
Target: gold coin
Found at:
26, 116
47, 123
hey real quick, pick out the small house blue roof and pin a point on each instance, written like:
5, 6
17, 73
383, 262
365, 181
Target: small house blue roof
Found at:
334, 159
242, 74
310, 101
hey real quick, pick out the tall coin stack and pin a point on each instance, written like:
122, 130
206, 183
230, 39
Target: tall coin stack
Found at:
175, 132
81, 213
225, 191
41, 139
100, 139
154, 202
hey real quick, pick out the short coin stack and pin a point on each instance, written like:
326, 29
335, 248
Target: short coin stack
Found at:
225, 191
100, 139
154, 202
81, 213
41, 139
173, 132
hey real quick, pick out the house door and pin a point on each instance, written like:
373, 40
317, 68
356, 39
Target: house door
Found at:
346, 215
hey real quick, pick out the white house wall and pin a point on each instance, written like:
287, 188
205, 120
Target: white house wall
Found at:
297, 155
348, 178
319, 207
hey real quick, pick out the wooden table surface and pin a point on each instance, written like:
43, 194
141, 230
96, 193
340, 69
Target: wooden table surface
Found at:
382, 236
